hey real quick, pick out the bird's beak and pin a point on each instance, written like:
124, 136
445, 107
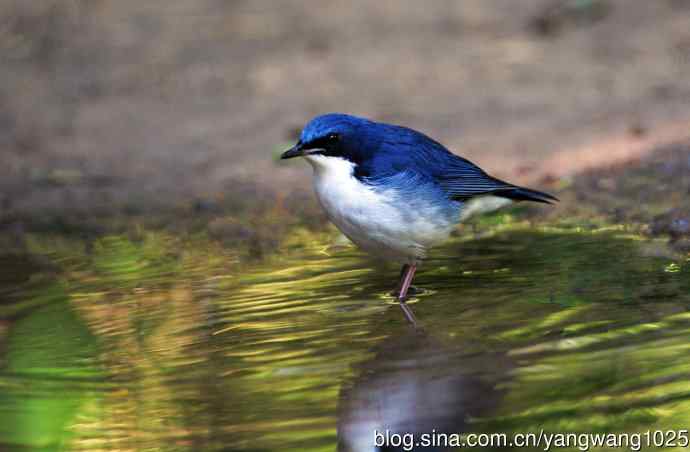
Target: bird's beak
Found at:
295, 151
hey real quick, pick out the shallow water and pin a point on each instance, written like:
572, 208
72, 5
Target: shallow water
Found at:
159, 343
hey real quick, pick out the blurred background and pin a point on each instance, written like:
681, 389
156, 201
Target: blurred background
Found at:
130, 106
167, 283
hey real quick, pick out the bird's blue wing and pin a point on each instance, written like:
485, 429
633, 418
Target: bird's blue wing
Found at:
405, 150
462, 179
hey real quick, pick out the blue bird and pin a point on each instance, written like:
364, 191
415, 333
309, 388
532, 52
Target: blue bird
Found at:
393, 191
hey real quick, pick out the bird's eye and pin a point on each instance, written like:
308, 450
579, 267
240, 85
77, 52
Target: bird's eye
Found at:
333, 137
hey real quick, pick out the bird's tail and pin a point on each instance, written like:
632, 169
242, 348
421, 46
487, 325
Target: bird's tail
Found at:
526, 194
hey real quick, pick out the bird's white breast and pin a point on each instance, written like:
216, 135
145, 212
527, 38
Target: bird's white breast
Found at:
378, 220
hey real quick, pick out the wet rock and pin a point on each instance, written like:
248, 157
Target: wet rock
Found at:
675, 223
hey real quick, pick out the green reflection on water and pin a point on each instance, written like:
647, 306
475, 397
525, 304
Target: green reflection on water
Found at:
199, 353
48, 366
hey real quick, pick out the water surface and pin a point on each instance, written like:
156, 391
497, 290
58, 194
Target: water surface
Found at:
155, 342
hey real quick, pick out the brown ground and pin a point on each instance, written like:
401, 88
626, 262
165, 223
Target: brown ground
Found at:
650, 194
128, 106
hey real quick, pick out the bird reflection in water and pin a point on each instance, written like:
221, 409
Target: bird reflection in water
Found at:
409, 316
416, 385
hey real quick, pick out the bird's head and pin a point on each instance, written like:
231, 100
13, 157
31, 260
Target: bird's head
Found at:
331, 136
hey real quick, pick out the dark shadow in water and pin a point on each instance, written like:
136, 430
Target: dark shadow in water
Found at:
416, 385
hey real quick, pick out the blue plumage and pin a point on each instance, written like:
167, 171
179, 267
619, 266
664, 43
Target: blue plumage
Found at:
394, 191
380, 150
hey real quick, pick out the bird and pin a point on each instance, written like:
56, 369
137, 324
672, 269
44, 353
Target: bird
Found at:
394, 191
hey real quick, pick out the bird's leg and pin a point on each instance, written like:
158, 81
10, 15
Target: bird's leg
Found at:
403, 272
408, 274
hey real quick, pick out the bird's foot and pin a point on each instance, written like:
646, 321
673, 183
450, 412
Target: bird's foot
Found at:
411, 292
